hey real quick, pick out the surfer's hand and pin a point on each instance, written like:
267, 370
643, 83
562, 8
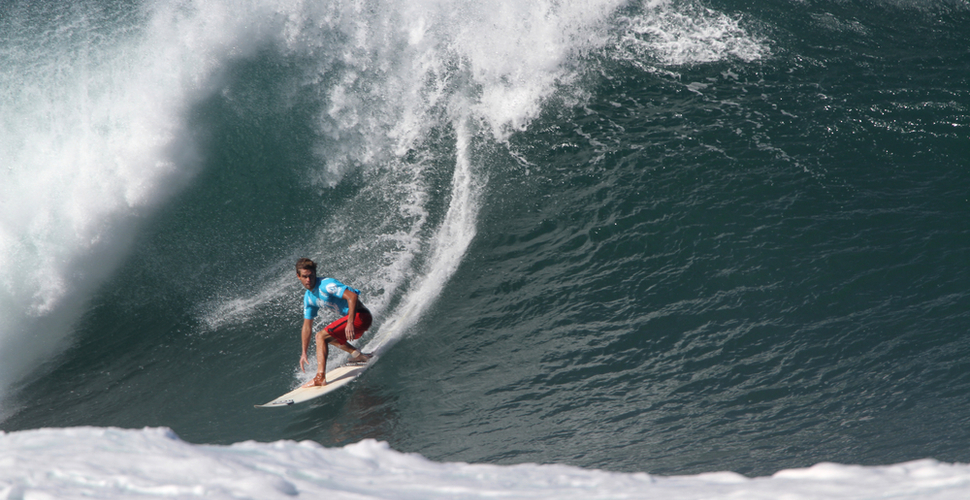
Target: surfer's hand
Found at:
349, 331
303, 361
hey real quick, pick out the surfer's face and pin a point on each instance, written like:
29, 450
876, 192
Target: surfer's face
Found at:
307, 277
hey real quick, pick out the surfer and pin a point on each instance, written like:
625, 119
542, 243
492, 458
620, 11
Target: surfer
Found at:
340, 298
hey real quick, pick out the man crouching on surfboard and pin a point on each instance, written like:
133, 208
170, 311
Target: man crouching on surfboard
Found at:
340, 298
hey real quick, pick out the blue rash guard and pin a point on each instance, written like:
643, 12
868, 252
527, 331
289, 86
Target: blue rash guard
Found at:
329, 293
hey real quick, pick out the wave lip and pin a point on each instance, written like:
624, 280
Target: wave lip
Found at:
86, 462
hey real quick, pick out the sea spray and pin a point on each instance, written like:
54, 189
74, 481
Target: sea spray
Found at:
93, 138
670, 34
405, 93
449, 244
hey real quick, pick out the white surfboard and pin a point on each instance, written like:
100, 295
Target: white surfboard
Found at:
336, 379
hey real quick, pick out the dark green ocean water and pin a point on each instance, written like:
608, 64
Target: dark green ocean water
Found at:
723, 235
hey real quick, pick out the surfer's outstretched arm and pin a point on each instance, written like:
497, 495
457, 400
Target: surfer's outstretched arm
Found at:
305, 336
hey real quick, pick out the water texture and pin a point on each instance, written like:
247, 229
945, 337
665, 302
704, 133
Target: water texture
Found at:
669, 237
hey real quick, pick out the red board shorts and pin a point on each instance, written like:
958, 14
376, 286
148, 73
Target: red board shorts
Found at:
337, 329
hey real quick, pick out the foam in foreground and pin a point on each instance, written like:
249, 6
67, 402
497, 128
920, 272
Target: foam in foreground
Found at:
89, 462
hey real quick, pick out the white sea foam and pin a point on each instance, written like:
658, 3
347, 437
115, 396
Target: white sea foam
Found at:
670, 33
154, 463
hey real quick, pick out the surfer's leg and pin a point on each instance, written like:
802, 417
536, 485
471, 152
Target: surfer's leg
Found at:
359, 357
356, 356
362, 322
321, 378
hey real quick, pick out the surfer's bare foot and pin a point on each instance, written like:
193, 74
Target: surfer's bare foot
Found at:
360, 358
317, 381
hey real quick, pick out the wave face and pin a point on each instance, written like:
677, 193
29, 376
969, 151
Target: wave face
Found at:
107, 126
667, 237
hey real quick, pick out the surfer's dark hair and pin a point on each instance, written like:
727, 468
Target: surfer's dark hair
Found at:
306, 263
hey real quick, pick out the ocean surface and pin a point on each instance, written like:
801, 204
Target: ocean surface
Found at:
654, 237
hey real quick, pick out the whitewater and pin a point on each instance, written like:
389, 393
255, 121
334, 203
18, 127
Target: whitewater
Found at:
155, 463
614, 249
